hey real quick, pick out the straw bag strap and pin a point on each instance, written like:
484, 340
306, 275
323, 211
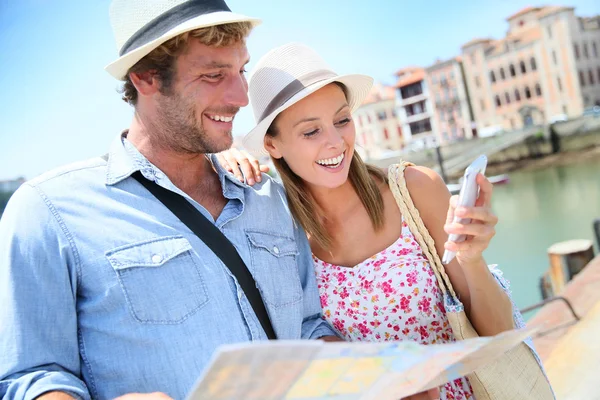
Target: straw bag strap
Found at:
415, 223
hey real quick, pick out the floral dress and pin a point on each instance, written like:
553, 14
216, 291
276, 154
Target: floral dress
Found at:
393, 295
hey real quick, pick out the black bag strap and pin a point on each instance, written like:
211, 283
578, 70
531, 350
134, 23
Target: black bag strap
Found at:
216, 241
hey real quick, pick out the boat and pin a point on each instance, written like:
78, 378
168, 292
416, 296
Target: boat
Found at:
501, 179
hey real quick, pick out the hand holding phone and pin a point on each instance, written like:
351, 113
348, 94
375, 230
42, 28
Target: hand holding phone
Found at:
466, 198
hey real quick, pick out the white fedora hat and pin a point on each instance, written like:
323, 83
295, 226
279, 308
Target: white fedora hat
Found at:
286, 75
140, 26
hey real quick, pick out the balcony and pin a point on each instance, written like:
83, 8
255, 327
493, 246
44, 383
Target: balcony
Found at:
413, 99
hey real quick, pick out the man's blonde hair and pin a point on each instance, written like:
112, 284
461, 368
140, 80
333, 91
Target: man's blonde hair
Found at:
162, 59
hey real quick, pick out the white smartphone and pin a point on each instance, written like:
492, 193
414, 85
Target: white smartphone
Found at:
469, 191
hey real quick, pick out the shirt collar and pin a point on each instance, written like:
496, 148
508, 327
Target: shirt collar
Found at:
124, 159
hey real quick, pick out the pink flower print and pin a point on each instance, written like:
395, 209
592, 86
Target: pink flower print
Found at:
367, 285
344, 293
405, 331
387, 288
423, 332
411, 321
341, 304
324, 301
375, 299
364, 329
405, 304
411, 277
375, 323
404, 251
396, 328
425, 305
341, 277
338, 325
354, 304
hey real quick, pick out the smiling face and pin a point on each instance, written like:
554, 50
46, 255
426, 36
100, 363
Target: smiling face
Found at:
316, 137
195, 113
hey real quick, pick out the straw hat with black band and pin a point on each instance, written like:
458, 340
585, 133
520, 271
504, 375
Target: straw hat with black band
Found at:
140, 26
286, 75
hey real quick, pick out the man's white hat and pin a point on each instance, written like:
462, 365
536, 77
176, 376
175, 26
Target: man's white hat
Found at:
140, 26
286, 75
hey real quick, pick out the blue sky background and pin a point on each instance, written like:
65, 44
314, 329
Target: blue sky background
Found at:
58, 105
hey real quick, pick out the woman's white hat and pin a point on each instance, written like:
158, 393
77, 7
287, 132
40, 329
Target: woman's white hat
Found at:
140, 26
286, 75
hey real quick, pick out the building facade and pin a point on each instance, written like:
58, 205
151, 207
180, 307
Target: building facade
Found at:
452, 117
415, 110
544, 70
377, 125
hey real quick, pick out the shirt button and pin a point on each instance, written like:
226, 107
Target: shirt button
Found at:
276, 250
157, 258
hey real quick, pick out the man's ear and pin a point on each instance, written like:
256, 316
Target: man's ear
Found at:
271, 147
146, 83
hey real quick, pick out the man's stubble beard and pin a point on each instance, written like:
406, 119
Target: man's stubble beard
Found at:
177, 128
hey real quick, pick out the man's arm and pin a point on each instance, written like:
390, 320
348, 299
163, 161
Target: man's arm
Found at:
313, 325
38, 281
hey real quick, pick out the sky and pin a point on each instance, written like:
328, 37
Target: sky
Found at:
58, 105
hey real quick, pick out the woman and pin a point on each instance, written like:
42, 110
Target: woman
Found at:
375, 283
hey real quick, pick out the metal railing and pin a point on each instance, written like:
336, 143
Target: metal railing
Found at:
596, 227
542, 303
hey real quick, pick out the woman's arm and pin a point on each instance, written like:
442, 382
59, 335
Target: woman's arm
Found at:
487, 305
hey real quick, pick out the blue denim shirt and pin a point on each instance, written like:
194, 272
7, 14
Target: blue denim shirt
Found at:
104, 292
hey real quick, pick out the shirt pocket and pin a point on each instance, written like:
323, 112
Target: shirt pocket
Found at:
274, 267
160, 279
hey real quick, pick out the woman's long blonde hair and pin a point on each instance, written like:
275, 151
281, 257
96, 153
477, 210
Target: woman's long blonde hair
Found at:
363, 177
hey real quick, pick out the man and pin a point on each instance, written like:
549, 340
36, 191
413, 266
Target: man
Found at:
103, 291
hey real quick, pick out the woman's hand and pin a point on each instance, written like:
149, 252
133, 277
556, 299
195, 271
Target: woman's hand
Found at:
479, 231
241, 164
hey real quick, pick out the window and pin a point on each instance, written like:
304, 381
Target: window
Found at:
554, 58
549, 29
477, 83
492, 77
507, 97
382, 115
482, 104
523, 69
538, 90
369, 117
454, 92
533, 64
585, 51
581, 78
502, 76
442, 115
559, 84
498, 102
399, 131
420, 126
393, 112
386, 133
451, 74
527, 92
594, 49
576, 48
434, 79
517, 95
512, 70
591, 76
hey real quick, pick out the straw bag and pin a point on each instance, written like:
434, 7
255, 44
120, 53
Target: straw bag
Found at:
515, 375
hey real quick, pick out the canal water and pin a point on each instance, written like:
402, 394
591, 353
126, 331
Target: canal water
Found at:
537, 209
